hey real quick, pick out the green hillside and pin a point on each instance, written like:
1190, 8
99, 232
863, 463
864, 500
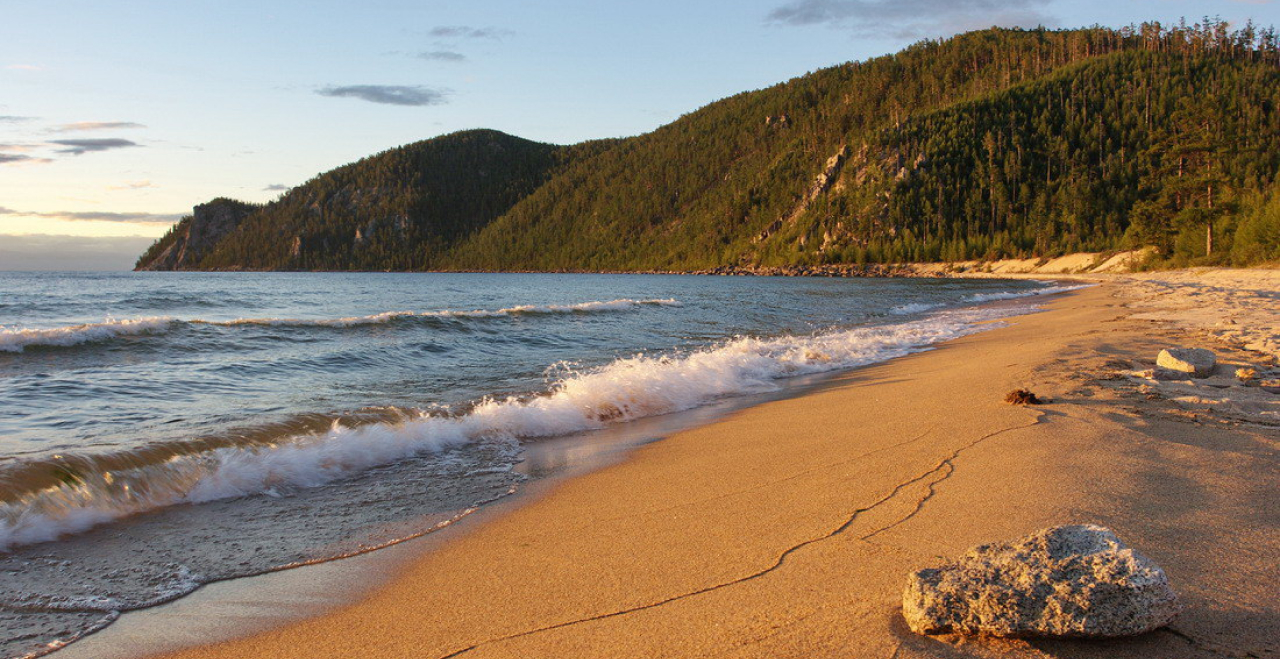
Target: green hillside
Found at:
396, 210
993, 143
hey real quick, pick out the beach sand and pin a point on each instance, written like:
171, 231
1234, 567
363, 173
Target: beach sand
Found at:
788, 529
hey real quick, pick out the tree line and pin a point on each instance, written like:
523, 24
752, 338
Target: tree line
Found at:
989, 144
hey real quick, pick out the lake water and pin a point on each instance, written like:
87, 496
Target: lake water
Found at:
159, 431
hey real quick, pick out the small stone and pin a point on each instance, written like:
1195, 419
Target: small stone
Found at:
1196, 361
1022, 397
1246, 374
1067, 581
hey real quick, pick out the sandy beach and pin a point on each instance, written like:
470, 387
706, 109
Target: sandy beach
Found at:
787, 529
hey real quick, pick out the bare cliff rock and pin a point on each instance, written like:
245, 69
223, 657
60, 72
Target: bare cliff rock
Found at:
197, 234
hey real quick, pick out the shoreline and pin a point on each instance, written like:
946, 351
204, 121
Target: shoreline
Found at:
751, 544
269, 600
1076, 264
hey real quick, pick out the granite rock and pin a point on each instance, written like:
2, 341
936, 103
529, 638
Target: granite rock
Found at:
1067, 581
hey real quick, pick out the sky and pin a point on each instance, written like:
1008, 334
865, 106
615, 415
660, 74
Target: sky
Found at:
117, 117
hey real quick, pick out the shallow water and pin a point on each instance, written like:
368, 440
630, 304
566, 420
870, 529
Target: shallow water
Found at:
163, 430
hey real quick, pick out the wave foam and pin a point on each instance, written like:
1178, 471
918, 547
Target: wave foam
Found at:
626, 389
915, 307
15, 340
1013, 295
1050, 289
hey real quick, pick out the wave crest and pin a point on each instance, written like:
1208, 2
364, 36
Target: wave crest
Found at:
16, 339
623, 390
389, 316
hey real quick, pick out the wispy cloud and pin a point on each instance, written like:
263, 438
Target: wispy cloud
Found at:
469, 32
24, 67
442, 56
98, 216
276, 187
132, 185
19, 148
94, 125
82, 146
389, 94
912, 19
14, 119
21, 159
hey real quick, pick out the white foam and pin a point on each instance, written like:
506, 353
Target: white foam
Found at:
626, 389
915, 307
15, 340
1013, 295
1049, 289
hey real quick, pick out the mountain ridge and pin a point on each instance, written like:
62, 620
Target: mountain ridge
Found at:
997, 143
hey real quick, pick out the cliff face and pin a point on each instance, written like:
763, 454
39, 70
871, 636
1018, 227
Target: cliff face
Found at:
197, 234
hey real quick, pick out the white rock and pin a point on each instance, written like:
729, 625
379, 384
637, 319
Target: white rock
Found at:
1196, 361
1067, 581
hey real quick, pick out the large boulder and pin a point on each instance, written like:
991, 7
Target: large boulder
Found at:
1196, 361
1067, 581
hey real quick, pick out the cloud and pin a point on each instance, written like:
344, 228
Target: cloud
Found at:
81, 146
98, 216
94, 125
469, 32
25, 67
442, 56
389, 94
276, 187
14, 159
912, 19
13, 119
18, 159
20, 148
132, 185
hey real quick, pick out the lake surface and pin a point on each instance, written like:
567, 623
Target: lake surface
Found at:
159, 431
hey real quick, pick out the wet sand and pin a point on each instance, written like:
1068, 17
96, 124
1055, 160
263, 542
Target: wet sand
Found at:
787, 529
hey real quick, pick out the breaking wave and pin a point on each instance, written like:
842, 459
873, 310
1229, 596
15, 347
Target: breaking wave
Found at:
83, 493
16, 339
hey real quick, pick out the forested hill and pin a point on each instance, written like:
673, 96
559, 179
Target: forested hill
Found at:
402, 209
990, 144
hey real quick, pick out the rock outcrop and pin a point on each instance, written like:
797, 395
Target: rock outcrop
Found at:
1196, 361
198, 233
1067, 581
823, 182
